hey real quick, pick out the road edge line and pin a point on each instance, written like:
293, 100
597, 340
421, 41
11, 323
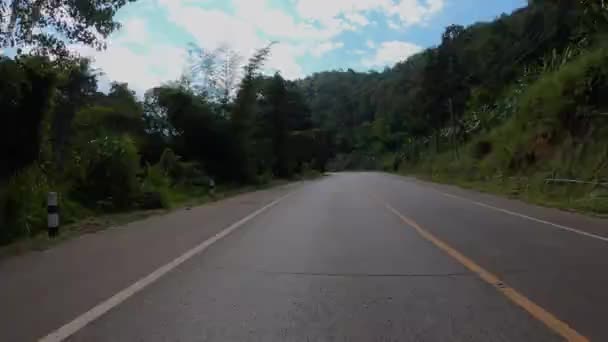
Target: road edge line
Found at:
100, 309
542, 315
530, 218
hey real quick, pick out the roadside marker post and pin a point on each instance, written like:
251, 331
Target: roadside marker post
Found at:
211, 186
53, 214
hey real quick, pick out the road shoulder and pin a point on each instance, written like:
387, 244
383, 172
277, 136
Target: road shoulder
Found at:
590, 224
41, 291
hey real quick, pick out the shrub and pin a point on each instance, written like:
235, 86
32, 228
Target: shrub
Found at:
264, 178
481, 149
191, 173
169, 163
108, 173
183, 173
554, 100
308, 172
155, 189
23, 205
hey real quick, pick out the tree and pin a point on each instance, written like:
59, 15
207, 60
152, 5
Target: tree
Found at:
277, 124
215, 73
127, 111
197, 133
77, 87
27, 86
596, 14
243, 113
48, 25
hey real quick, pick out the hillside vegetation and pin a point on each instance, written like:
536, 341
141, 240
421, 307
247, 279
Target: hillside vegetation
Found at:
515, 106
112, 151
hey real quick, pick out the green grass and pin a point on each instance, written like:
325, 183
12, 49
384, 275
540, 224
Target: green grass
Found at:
576, 198
552, 133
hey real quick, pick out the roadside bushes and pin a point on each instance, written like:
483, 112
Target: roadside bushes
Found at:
155, 188
560, 110
560, 106
107, 169
562, 99
557, 130
23, 204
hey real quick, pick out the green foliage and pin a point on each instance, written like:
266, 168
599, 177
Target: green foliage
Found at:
308, 172
502, 105
108, 168
509, 102
155, 188
169, 163
181, 173
355, 161
198, 134
49, 25
560, 100
243, 115
23, 206
557, 131
76, 86
26, 89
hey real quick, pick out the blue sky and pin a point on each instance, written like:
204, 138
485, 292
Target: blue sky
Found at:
313, 35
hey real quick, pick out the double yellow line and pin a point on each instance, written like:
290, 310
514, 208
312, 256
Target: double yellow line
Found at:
533, 309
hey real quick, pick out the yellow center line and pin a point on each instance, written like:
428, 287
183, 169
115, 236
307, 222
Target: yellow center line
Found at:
533, 309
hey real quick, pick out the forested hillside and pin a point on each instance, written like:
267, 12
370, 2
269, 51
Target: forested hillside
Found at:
517, 105
503, 106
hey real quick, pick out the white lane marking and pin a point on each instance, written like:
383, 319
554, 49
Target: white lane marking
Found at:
81, 321
512, 213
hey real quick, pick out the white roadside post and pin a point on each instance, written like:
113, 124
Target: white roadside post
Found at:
53, 214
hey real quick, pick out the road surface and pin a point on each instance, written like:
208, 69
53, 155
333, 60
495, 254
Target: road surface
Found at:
350, 257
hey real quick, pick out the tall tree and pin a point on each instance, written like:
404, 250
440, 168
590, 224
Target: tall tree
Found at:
243, 113
215, 73
48, 25
77, 87
27, 86
277, 99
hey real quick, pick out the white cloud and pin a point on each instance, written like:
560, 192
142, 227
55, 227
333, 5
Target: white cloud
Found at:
357, 18
135, 31
273, 22
283, 58
358, 52
144, 61
389, 53
322, 10
241, 31
393, 24
406, 12
414, 11
324, 48
142, 69
213, 28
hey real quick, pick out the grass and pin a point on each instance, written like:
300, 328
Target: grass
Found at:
551, 133
574, 198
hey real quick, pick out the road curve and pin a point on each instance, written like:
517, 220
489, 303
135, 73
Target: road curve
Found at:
351, 257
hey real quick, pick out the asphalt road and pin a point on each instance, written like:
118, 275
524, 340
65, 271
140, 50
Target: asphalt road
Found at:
351, 257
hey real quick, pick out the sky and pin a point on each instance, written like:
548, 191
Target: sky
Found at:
312, 35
